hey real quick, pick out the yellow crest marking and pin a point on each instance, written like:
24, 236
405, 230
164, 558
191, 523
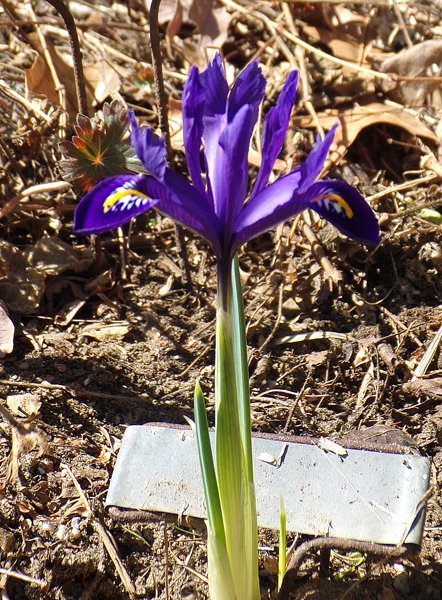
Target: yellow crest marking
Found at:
117, 195
335, 198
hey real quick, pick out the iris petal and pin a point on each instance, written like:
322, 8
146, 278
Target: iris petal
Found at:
193, 107
184, 204
249, 88
111, 204
215, 116
275, 128
150, 148
344, 207
313, 164
215, 87
278, 197
227, 140
274, 204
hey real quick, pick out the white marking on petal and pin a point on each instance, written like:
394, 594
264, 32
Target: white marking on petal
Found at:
333, 203
125, 198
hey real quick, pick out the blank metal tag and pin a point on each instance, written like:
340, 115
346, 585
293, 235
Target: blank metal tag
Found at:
351, 493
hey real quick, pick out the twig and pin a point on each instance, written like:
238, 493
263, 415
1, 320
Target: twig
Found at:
277, 320
425, 361
8, 91
400, 18
332, 273
4, 148
326, 543
106, 538
166, 562
79, 392
405, 330
411, 210
23, 577
305, 86
202, 354
34, 189
80, 86
403, 186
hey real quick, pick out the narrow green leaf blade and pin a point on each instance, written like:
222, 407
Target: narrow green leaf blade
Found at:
211, 493
241, 366
282, 566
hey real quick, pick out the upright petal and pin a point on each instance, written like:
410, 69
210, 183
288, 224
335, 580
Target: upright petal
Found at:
111, 204
228, 177
313, 164
345, 208
194, 98
150, 148
227, 140
274, 130
249, 88
215, 114
215, 87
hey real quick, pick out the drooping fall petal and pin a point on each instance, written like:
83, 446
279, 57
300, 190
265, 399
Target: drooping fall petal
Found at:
344, 207
111, 204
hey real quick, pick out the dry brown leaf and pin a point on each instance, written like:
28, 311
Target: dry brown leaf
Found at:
52, 256
424, 59
6, 332
23, 274
39, 80
69, 311
343, 45
210, 16
21, 286
25, 437
105, 331
343, 17
176, 123
353, 120
23, 405
101, 79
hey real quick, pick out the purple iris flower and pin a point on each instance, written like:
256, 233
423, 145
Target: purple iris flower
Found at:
216, 205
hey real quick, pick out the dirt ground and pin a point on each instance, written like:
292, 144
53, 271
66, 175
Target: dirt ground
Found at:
108, 334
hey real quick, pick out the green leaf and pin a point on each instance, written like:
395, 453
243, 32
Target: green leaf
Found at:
233, 441
241, 366
213, 505
431, 215
282, 566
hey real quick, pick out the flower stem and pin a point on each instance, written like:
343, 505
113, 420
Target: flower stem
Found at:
232, 435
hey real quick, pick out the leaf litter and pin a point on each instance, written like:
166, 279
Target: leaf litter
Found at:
97, 347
